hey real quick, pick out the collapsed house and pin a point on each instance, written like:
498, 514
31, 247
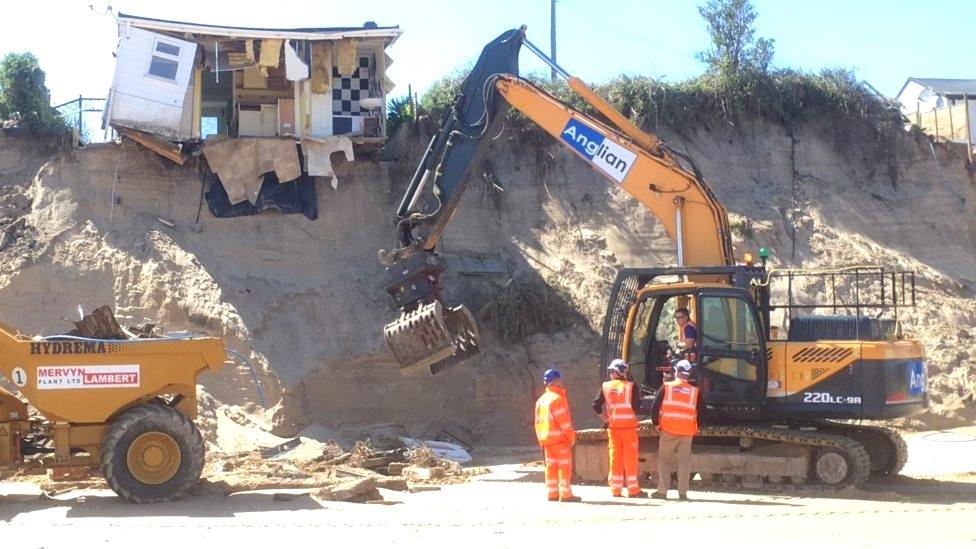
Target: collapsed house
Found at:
267, 107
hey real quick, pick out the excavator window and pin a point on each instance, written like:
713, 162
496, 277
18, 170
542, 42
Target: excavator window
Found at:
652, 333
729, 328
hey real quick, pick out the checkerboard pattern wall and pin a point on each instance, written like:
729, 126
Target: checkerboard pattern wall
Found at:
346, 90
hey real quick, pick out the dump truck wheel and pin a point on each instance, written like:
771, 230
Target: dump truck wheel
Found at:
152, 453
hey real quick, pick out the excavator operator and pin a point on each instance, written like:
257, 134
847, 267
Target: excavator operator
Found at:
687, 332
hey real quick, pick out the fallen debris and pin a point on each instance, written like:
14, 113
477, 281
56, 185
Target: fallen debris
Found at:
359, 490
329, 471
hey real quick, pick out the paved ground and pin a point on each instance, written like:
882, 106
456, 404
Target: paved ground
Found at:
505, 508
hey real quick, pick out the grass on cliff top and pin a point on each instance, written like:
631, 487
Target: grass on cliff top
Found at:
787, 97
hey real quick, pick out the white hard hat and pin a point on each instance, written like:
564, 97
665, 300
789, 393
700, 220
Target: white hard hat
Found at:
682, 366
617, 365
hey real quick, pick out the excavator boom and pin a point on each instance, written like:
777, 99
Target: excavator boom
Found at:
431, 336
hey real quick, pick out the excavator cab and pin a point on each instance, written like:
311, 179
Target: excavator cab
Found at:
729, 356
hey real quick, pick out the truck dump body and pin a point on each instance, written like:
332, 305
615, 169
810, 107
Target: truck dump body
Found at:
88, 381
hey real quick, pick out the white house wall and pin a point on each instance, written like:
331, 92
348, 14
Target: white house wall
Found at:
144, 102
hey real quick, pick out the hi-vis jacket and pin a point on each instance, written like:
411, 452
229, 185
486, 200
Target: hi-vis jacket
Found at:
618, 397
679, 408
553, 424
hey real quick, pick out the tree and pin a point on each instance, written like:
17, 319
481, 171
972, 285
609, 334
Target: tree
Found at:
23, 95
735, 50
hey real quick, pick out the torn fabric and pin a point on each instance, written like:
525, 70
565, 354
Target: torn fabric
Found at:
346, 56
295, 69
321, 67
318, 152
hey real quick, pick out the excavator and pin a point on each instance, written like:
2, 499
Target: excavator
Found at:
783, 402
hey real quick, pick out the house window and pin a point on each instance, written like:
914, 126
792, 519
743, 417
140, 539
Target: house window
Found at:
209, 125
165, 60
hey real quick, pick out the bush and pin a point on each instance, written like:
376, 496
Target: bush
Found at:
23, 96
399, 112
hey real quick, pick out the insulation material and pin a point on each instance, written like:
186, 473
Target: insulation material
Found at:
346, 56
318, 153
240, 164
279, 156
321, 67
234, 160
226, 56
249, 49
270, 54
295, 69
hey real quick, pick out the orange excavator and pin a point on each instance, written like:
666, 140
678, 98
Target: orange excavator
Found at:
773, 394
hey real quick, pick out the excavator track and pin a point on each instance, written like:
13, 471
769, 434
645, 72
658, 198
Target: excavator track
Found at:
836, 460
886, 447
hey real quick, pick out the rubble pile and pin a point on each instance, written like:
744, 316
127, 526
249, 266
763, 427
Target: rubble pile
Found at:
330, 472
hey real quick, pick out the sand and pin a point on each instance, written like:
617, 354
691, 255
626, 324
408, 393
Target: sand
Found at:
305, 300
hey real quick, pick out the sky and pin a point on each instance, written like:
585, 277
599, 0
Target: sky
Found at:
885, 41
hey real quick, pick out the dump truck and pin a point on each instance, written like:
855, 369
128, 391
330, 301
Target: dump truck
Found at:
774, 395
122, 408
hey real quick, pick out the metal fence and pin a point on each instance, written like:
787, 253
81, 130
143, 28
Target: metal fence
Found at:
79, 114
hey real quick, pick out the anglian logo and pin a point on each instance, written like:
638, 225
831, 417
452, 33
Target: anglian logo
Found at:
67, 348
606, 155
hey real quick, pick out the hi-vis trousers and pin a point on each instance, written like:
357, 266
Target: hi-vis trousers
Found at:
623, 461
559, 470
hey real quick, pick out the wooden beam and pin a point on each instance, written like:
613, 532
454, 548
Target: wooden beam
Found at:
197, 102
969, 133
159, 146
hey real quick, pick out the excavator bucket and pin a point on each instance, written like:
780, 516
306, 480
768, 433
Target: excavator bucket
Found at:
432, 338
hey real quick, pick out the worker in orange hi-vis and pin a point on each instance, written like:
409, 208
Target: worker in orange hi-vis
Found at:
677, 412
554, 430
617, 404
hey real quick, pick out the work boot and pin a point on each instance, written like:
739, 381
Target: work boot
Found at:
682, 497
659, 495
553, 498
571, 499
640, 494
616, 494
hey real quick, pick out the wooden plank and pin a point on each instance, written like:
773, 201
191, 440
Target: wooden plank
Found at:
155, 144
969, 133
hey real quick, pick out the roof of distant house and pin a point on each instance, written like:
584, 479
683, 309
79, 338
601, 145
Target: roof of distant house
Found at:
368, 30
945, 86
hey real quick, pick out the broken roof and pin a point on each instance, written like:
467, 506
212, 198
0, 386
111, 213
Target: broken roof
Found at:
368, 30
945, 86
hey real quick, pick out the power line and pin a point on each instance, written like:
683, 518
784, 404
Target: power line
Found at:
617, 30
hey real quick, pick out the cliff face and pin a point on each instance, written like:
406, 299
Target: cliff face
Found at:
306, 299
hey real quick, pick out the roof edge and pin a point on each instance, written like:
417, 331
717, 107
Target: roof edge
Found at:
323, 33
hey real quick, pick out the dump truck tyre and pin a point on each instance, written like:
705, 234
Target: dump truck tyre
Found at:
152, 453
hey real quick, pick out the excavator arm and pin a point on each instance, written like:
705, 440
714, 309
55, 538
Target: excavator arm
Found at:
429, 335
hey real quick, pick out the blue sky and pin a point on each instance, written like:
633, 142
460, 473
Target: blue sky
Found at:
884, 40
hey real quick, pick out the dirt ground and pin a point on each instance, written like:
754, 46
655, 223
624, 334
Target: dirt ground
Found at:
933, 502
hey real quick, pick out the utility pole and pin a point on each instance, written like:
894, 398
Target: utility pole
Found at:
552, 37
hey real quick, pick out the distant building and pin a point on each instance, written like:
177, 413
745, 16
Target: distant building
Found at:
943, 107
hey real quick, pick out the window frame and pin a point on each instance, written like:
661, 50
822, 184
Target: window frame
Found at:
154, 52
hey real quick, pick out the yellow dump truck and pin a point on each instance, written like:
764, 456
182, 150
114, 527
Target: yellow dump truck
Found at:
122, 407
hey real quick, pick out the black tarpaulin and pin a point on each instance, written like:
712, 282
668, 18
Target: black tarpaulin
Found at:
297, 196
